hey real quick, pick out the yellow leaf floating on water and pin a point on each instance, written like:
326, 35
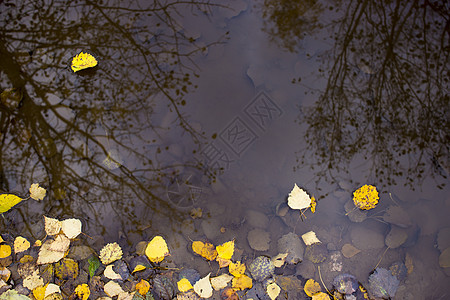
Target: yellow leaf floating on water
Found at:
52, 226
184, 285
82, 291
236, 269
320, 296
37, 192
157, 249
39, 292
7, 201
5, 251
83, 61
226, 250
142, 287
241, 283
205, 250
366, 197
203, 287
273, 290
21, 244
298, 198
221, 281
313, 204
110, 253
311, 287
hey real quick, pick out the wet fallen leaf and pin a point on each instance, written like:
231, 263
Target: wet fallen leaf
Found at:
110, 274
66, 269
229, 294
52, 226
320, 296
223, 262
13, 295
366, 197
71, 228
206, 250
21, 244
220, 282
311, 287
196, 213
273, 290
241, 283
236, 269
94, 263
37, 192
203, 287
184, 285
7, 201
142, 287
112, 289
279, 260
82, 291
313, 204
53, 250
310, 238
33, 281
110, 253
51, 289
83, 61
5, 251
39, 292
157, 249
298, 198
225, 250
5, 274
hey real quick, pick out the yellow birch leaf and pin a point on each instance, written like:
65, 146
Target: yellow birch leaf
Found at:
236, 269
273, 290
320, 296
203, 287
366, 197
313, 204
184, 285
205, 250
5, 251
39, 292
311, 287
82, 291
110, 253
7, 201
220, 282
52, 226
71, 228
157, 249
142, 287
225, 250
298, 198
83, 61
37, 192
138, 268
21, 244
241, 283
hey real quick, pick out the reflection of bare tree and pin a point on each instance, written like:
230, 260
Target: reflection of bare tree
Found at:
386, 102
72, 131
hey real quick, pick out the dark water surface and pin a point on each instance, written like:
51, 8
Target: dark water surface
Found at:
223, 106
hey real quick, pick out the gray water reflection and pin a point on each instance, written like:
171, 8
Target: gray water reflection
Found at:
171, 95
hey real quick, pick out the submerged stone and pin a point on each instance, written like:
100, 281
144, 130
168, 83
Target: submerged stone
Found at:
290, 243
316, 253
345, 284
261, 268
383, 284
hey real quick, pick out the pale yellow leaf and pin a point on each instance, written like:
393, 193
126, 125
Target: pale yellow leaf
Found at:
21, 244
310, 238
110, 274
110, 253
53, 250
279, 260
71, 228
298, 198
37, 192
52, 226
51, 289
221, 281
112, 289
203, 287
273, 290
33, 281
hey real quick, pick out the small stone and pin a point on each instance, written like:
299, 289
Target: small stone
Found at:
443, 239
366, 239
398, 216
444, 258
211, 228
348, 250
282, 209
306, 269
354, 214
396, 237
257, 219
290, 243
259, 239
316, 253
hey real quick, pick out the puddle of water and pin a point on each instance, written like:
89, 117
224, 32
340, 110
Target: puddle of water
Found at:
225, 109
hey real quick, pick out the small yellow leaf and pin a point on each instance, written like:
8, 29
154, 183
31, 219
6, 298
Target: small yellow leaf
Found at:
236, 269
83, 61
221, 281
242, 283
82, 291
313, 204
206, 250
110, 253
7, 201
273, 290
311, 287
37, 192
184, 285
320, 296
52, 226
21, 244
142, 287
225, 250
39, 292
157, 249
138, 268
112, 288
366, 197
37, 243
279, 260
5, 251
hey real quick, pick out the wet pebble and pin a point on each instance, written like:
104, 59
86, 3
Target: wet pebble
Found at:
282, 209
398, 216
354, 214
396, 237
316, 253
348, 250
257, 219
290, 243
306, 269
443, 238
211, 228
258, 239
366, 239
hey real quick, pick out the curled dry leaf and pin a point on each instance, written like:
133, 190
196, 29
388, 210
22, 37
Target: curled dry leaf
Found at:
37, 192
71, 228
110, 253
